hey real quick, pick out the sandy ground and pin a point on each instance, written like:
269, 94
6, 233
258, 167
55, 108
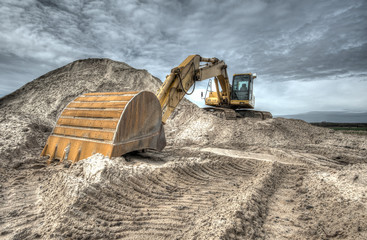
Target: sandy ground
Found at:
216, 179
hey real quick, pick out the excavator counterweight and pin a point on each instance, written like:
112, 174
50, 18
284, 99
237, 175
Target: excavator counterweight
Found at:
112, 123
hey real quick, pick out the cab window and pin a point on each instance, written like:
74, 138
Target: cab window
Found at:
241, 87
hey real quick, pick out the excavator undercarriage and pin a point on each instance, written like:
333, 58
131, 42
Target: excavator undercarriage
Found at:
233, 114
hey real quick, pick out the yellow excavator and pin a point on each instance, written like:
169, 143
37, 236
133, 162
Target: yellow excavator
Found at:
115, 123
236, 100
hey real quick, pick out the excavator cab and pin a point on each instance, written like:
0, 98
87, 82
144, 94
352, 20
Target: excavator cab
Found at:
242, 90
241, 86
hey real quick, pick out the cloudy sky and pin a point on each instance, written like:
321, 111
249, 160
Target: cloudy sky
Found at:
308, 55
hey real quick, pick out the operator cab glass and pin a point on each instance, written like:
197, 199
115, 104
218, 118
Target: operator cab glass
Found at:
241, 87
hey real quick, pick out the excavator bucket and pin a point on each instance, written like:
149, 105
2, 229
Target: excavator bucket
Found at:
110, 123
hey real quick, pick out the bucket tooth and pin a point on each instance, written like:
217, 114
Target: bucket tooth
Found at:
77, 158
65, 153
52, 156
67, 150
112, 124
44, 150
62, 157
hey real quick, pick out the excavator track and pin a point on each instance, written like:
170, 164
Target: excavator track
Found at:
110, 123
254, 114
231, 114
227, 113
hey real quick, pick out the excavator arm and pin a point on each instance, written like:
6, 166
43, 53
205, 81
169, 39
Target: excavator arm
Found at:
181, 79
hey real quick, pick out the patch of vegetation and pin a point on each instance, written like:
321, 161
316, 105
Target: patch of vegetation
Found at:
355, 132
349, 128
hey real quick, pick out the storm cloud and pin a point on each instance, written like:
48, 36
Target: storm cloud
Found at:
308, 55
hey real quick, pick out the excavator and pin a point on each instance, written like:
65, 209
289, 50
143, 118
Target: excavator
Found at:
236, 100
116, 123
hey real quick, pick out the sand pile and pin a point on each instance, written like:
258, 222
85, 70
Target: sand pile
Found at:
216, 179
29, 114
194, 126
204, 128
46, 96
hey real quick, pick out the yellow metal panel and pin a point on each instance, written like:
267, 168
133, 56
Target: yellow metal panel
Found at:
242, 103
212, 101
103, 98
84, 133
187, 60
92, 123
92, 113
110, 93
74, 149
239, 74
97, 104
